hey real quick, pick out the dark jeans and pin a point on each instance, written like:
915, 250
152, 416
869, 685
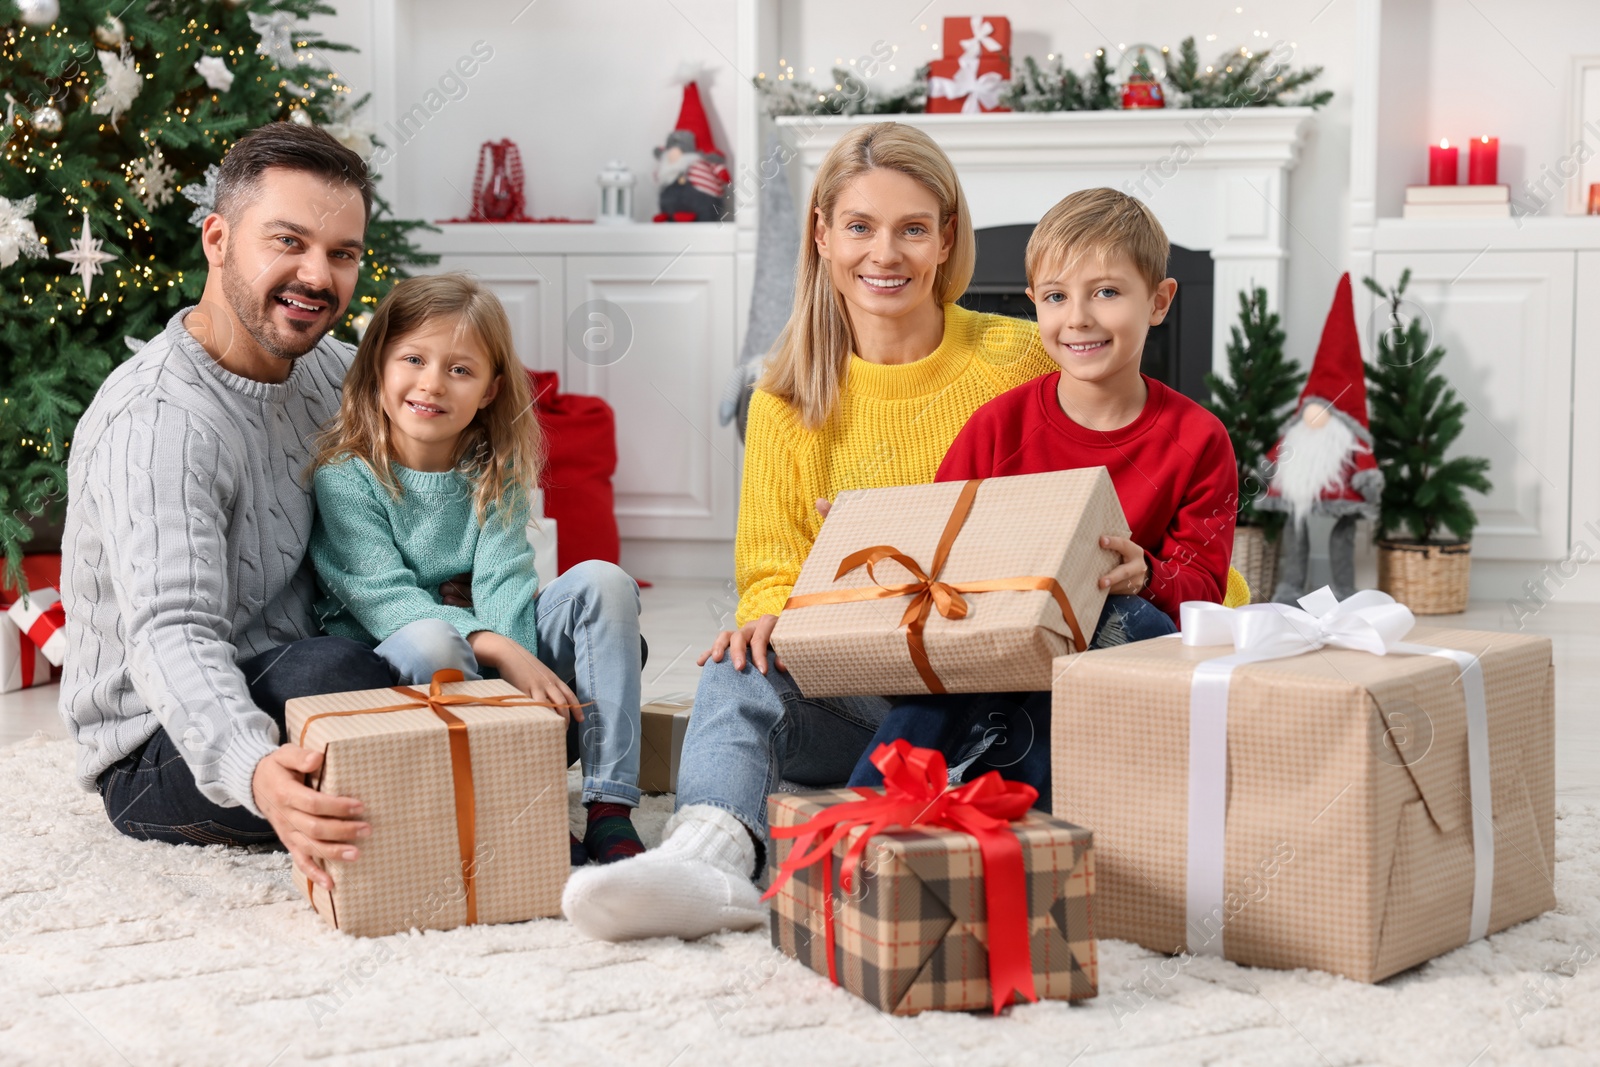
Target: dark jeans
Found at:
1005, 732
150, 794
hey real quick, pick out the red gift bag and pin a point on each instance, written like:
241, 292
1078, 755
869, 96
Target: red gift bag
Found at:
580, 434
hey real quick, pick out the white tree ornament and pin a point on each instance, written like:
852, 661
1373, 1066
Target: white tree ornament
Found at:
152, 179
214, 69
203, 194
86, 257
277, 38
122, 84
17, 236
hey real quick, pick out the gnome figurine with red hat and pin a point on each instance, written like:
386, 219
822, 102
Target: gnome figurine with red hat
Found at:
689, 169
1323, 463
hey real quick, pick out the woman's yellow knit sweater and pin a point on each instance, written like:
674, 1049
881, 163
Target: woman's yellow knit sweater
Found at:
893, 426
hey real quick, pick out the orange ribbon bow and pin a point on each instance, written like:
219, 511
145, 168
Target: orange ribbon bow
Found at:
928, 592
436, 699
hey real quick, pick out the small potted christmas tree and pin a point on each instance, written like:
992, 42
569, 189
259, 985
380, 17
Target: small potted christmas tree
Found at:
1252, 403
1425, 533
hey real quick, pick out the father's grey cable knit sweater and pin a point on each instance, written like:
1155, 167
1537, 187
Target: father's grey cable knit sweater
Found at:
188, 518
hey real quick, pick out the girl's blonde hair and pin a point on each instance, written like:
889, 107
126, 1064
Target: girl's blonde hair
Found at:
501, 451
811, 358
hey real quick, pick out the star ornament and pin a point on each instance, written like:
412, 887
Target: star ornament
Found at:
86, 257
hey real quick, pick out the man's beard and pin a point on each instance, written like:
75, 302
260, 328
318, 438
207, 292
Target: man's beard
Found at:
1313, 461
256, 317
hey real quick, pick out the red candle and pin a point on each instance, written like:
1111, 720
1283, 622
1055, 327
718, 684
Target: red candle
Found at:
1483, 161
1594, 199
1443, 163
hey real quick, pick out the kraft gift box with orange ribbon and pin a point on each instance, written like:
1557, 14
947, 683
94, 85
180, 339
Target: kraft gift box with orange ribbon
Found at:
918, 896
960, 587
465, 787
1326, 786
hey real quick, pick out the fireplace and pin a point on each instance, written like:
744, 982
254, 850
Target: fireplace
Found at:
1176, 353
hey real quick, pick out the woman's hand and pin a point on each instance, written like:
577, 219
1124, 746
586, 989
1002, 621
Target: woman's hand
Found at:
1127, 578
523, 670
755, 635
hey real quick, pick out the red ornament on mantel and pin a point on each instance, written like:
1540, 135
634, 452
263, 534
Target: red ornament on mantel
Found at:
1444, 163
499, 197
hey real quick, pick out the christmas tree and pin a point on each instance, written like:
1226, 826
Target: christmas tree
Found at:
1416, 417
108, 116
1254, 400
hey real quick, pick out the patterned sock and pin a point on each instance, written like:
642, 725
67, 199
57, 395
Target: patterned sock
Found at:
611, 836
580, 855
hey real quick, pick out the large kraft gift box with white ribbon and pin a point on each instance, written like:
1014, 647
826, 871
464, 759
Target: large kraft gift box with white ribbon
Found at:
1259, 792
960, 587
465, 787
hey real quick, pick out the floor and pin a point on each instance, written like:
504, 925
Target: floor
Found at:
680, 618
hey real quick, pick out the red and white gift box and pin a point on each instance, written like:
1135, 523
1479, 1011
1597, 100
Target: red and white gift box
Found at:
42, 620
970, 84
28, 629
980, 35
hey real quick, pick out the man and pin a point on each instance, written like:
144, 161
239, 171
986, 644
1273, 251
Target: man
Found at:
187, 587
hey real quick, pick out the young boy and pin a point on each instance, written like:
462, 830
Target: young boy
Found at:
1096, 268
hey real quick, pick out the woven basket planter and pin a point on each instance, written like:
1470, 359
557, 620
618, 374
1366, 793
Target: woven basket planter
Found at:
1430, 579
1257, 559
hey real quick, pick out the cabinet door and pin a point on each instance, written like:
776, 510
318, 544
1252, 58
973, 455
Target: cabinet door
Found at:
532, 289
1585, 402
1505, 320
653, 335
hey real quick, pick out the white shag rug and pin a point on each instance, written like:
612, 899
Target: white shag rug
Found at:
115, 951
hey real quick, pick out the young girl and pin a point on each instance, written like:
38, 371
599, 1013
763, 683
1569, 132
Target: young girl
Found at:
426, 474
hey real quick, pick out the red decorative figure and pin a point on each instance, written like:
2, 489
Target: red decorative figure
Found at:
500, 197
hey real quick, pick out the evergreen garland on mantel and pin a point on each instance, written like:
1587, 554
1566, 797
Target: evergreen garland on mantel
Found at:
1239, 78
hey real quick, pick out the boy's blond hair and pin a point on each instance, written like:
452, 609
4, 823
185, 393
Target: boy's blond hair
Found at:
1099, 222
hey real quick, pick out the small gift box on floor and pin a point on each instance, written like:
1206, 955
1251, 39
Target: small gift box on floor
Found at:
1327, 788
465, 787
663, 724
40, 615
1011, 581
906, 918
22, 663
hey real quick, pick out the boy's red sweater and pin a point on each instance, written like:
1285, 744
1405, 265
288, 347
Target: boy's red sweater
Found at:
1172, 466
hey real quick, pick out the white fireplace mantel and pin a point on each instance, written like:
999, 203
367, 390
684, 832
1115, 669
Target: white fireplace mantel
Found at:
1216, 179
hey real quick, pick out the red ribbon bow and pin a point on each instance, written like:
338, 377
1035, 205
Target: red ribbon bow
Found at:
49, 621
917, 793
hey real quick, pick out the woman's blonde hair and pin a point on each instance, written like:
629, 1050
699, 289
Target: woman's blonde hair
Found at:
501, 451
811, 357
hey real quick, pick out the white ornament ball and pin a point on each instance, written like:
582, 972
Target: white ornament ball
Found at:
47, 120
39, 12
109, 34
300, 118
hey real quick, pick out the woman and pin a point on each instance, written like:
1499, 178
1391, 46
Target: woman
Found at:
875, 374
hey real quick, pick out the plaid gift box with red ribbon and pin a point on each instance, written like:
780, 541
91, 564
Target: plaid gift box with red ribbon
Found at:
919, 896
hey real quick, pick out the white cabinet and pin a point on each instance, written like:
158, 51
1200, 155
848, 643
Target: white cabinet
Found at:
662, 334
1506, 321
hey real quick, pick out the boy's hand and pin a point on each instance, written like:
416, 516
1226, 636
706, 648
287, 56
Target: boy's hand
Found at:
755, 635
1127, 578
313, 826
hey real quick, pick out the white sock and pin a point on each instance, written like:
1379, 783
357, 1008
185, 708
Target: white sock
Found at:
696, 883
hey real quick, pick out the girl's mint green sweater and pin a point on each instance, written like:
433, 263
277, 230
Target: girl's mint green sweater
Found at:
380, 561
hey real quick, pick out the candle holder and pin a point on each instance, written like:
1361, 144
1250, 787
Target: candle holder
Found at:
616, 194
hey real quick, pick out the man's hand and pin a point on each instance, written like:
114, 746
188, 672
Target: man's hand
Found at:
312, 826
755, 635
1128, 578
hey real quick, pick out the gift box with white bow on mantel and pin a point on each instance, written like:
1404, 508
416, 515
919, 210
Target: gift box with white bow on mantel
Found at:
1330, 788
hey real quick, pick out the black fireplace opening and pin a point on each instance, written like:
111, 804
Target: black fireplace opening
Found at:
1177, 353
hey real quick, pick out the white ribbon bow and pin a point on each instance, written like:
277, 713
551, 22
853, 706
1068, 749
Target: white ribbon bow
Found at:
982, 37
1369, 621
982, 91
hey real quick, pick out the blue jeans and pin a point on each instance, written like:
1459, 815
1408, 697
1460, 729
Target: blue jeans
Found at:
588, 623
1005, 732
751, 731
150, 793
